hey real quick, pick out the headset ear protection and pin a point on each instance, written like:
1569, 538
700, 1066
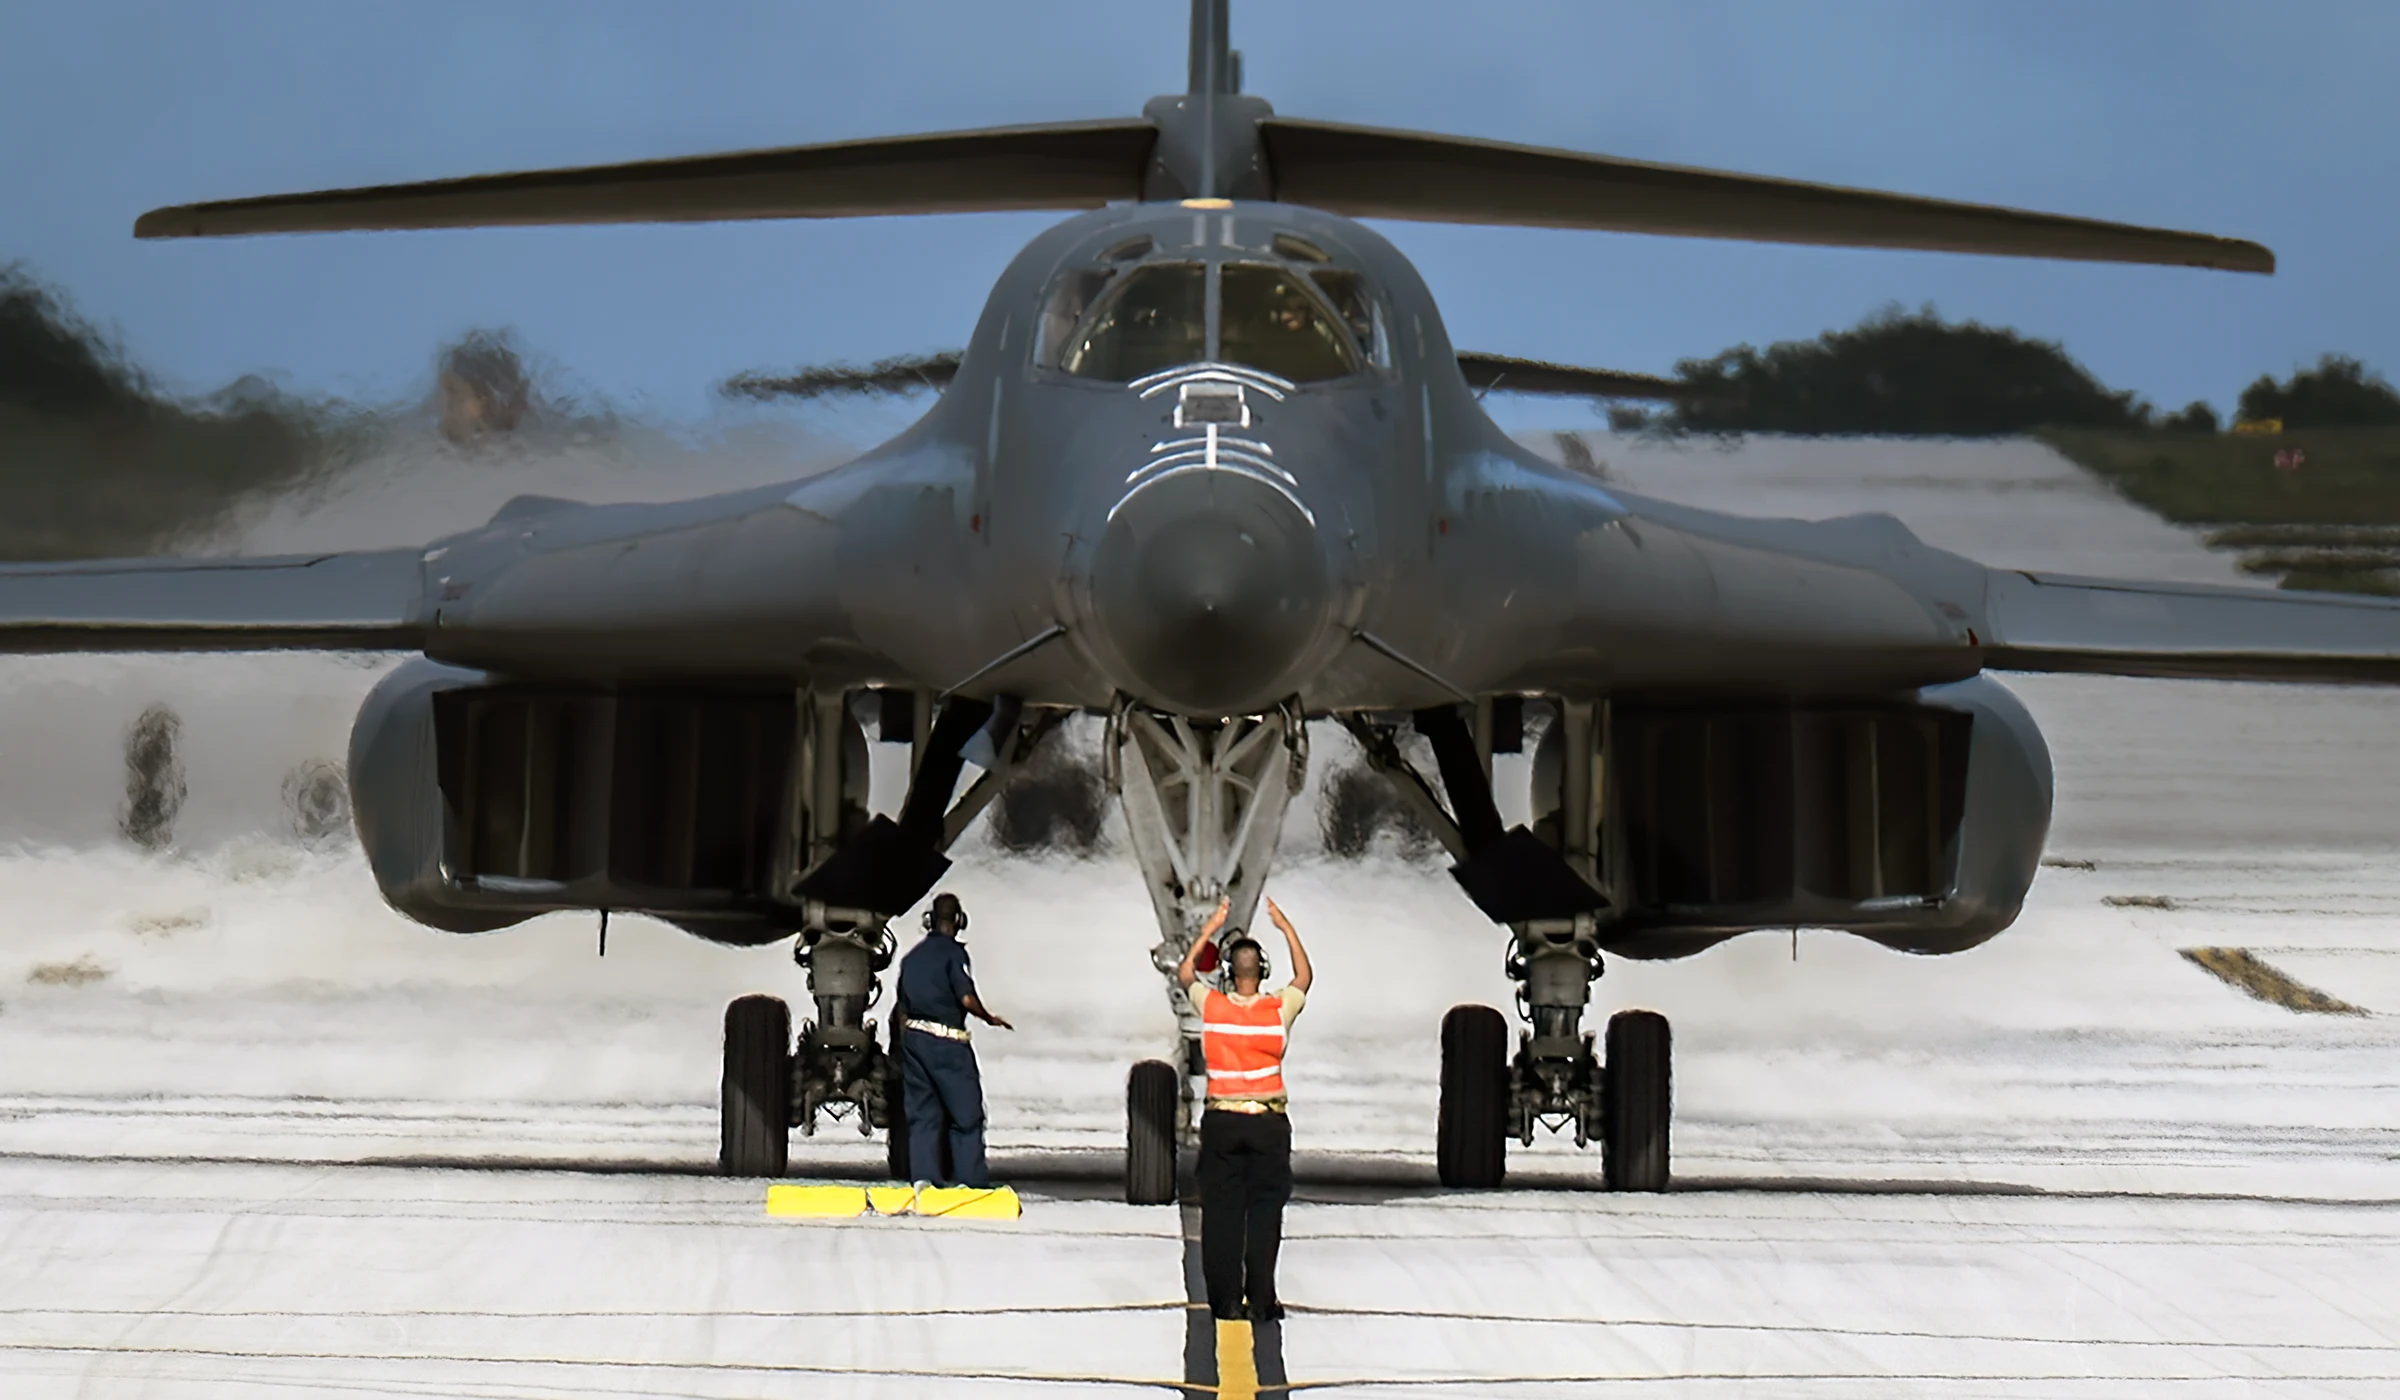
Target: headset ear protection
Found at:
958, 910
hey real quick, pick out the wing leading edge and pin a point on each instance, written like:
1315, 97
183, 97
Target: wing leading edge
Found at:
2111, 627
320, 602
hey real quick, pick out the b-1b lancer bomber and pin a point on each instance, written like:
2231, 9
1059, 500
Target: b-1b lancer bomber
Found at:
1210, 468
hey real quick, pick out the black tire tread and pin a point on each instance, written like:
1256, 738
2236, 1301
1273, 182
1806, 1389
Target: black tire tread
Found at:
895, 1100
1470, 1136
754, 1099
1151, 1094
1639, 1102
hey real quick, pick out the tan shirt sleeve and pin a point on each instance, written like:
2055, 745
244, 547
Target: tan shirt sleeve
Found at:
1293, 999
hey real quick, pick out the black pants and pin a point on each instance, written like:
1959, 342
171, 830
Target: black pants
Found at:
1245, 1178
942, 1093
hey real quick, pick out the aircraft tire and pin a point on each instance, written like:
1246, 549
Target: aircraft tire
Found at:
1470, 1146
1637, 1099
895, 1100
754, 1102
1150, 1112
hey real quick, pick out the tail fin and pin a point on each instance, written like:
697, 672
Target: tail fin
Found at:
1216, 68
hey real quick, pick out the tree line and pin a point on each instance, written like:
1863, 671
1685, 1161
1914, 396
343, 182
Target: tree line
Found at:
1913, 374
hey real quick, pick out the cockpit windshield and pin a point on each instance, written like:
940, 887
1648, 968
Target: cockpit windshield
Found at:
1155, 317
1269, 319
1122, 322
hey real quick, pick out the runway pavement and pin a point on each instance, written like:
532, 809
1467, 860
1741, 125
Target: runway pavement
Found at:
260, 1137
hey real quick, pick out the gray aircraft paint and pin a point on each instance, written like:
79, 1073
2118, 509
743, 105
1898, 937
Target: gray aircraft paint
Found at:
1367, 544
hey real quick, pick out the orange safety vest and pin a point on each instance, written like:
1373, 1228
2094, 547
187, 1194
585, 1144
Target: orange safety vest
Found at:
1243, 1045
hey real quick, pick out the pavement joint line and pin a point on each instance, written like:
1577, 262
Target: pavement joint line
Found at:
1506, 1319
791, 1368
609, 1315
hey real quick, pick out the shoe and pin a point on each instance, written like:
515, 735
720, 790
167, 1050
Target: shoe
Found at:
1266, 1312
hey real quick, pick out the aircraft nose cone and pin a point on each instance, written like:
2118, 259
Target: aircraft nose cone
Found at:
1213, 588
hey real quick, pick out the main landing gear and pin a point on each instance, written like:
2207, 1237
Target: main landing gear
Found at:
1624, 1096
834, 1072
1543, 886
841, 867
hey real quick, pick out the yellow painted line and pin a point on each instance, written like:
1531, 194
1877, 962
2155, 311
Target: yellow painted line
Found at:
1237, 1361
2242, 970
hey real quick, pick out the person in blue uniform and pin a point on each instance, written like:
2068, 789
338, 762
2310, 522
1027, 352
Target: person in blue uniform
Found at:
941, 1091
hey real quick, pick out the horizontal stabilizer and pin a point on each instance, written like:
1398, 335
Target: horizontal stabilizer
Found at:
1075, 165
2045, 622
324, 602
897, 375
904, 373
1371, 173
1509, 375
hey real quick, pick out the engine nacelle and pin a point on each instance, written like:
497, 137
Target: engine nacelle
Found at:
1917, 823
482, 803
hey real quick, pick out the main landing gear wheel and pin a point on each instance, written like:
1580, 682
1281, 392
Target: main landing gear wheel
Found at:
755, 1099
1469, 1149
895, 1100
1151, 1092
1638, 1100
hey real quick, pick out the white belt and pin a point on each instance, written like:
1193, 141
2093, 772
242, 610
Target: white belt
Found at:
937, 1028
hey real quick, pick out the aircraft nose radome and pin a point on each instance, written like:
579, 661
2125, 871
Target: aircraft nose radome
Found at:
1213, 588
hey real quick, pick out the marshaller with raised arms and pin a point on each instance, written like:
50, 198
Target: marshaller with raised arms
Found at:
1208, 468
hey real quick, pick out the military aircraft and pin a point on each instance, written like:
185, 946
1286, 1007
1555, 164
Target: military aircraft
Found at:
1209, 468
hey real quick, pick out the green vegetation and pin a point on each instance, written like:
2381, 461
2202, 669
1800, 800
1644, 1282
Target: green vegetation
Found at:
2314, 526
2338, 393
1902, 375
2348, 475
94, 460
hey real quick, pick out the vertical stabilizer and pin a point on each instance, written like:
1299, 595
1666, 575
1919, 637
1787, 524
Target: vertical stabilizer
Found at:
1213, 64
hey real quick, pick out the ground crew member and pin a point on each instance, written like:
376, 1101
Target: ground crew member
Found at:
1245, 1136
941, 1092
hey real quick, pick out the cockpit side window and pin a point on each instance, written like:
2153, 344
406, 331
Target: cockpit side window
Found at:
1070, 297
1270, 318
1360, 312
1155, 317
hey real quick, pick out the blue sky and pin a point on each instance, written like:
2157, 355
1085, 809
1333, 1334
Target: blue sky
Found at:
2273, 122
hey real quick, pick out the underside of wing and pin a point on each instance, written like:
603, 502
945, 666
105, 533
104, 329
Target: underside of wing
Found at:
1508, 374
1079, 165
320, 602
1371, 173
2049, 622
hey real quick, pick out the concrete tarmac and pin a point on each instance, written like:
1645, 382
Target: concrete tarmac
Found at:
260, 1137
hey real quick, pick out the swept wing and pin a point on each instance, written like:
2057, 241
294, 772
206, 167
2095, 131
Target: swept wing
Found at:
325, 602
2111, 627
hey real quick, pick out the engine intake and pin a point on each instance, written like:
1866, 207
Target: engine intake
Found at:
482, 804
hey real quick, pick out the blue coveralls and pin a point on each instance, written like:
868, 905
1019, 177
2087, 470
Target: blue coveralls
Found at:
939, 1082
